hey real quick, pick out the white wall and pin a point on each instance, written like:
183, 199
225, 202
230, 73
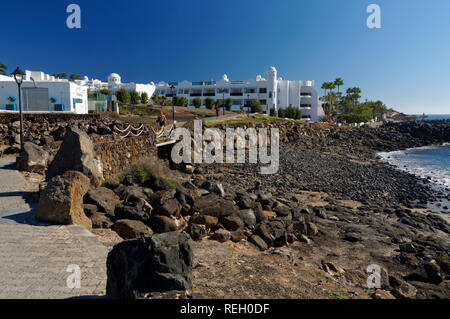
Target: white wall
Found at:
64, 92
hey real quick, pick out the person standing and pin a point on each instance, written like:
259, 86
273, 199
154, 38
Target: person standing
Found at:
161, 120
217, 109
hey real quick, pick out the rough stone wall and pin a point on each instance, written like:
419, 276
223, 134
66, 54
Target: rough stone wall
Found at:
7, 118
119, 154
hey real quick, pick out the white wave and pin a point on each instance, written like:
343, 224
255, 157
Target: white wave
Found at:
400, 159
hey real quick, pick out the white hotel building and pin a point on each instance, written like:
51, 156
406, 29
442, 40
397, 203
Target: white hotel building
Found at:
271, 92
115, 83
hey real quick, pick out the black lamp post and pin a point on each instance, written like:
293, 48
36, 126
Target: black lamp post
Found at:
172, 89
19, 76
248, 103
223, 91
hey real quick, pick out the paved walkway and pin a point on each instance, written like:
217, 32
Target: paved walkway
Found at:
34, 257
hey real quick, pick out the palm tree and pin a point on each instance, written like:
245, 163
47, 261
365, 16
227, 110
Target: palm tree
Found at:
331, 100
325, 87
330, 97
339, 82
2, 69
355, 94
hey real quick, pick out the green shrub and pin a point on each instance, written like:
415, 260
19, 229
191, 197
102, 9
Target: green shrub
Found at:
209, 103
255, 106
356, 117
290, 112
197, 102
144, 98
134, 97
122, 96
273, 112
141, 174
105, 92
180, 101
228, 104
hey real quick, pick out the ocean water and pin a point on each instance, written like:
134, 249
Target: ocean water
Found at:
429, 161
434, 117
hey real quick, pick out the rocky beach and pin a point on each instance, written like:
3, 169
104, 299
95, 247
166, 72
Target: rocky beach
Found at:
309, 231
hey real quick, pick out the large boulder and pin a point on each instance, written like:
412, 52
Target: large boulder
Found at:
32, 158
232, 222
134, 208
131, 229
77, 153
213, 205
61, 201
102, 197
272, 232
100, 220
147, 265
168, 207
162, 224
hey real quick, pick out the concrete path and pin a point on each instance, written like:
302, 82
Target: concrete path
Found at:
38, 260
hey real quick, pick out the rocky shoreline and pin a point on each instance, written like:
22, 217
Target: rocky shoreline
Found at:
359, 199
332, 210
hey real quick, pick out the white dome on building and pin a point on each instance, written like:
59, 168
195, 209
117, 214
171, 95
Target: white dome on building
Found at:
225, 78
272, 72
114, 78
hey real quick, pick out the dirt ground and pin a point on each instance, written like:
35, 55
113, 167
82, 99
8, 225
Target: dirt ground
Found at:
182, 114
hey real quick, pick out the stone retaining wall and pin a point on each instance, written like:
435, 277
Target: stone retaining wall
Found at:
119, 154
7, 118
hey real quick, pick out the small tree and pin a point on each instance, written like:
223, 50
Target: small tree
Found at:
175, 100
182, 101
228, 104
155, 98
74, 77
168, 102
144, 98
255, 106
209, 103
3, 69
122, 96
197, 102
134, 97
273, 112
281, 113
105, 92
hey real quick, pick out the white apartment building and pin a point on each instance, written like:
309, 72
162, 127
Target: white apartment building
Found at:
271, 92
115, 83
43, 93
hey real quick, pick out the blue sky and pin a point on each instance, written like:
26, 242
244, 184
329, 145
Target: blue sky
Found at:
406, 63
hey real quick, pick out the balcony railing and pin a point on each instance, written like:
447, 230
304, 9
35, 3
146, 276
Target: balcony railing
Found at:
195, 94
209, 94
236, 94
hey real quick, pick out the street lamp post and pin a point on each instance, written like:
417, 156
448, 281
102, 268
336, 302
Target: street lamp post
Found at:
19, 76
223, 91
172, 89
248, 103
